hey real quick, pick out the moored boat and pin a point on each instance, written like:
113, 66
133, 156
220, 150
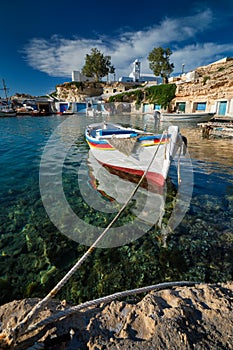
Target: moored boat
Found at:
197, 116
6, 109
7, 112
134, 151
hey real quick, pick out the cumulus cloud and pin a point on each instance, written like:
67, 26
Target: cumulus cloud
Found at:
59, 56
201, 54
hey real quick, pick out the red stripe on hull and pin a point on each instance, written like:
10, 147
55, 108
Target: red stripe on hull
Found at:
152, 177
99, 145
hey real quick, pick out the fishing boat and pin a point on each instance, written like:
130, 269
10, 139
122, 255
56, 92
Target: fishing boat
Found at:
7, 112
134, 151
6, 109
194, 117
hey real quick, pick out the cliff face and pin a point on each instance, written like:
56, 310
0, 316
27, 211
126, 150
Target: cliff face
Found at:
79, 91
211, 83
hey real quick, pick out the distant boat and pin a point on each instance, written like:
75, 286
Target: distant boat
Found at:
197, 116
96, 109
131, 150
7, 112
6, 109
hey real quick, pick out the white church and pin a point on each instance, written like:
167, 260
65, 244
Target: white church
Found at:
136, 76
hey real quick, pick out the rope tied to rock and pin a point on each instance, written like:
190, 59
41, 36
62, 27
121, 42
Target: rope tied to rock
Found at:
103, 300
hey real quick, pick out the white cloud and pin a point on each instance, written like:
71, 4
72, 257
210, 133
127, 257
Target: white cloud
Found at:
59, 56
196, 55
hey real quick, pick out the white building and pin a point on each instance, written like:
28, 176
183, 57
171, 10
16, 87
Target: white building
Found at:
136, 76
78, 76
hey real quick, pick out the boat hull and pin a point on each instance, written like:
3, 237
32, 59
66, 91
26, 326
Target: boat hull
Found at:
7, 114
151, 154
199, 117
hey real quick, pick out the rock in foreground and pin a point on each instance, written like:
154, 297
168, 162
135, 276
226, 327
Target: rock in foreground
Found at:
199, 317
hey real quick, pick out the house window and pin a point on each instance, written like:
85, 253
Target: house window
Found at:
157, 107
200, 106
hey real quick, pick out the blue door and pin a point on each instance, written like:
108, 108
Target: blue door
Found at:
222, 107
81, 107
63, 107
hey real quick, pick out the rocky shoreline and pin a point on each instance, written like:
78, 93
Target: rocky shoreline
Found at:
188, 317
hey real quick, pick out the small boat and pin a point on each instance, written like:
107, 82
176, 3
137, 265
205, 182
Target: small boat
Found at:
134, 151
5, 107
197, 116
7, 112
96, 109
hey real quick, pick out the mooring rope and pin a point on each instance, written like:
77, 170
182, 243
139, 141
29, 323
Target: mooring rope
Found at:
23, 325
70, 311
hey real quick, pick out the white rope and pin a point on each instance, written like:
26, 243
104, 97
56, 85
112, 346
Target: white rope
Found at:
22, 326
68, 312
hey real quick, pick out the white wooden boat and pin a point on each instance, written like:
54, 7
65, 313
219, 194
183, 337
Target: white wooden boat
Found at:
197, 116
132, 151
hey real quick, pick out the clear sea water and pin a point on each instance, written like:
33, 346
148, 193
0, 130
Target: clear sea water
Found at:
35, 254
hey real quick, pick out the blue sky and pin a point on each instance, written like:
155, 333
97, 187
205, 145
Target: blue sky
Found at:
43, 41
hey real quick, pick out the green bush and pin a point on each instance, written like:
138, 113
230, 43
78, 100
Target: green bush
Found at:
205, 78
159, 94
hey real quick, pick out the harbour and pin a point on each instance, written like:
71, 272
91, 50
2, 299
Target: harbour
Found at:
34, 254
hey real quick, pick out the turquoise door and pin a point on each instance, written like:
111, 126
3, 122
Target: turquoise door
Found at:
180, 106
146, 108
222, 107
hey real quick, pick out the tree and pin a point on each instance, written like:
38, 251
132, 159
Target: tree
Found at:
97, 65
159, 62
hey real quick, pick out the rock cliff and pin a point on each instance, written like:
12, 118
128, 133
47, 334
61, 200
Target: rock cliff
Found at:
208, 84
78, 91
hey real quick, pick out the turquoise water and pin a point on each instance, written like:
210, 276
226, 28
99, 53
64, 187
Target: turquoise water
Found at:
35, 254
